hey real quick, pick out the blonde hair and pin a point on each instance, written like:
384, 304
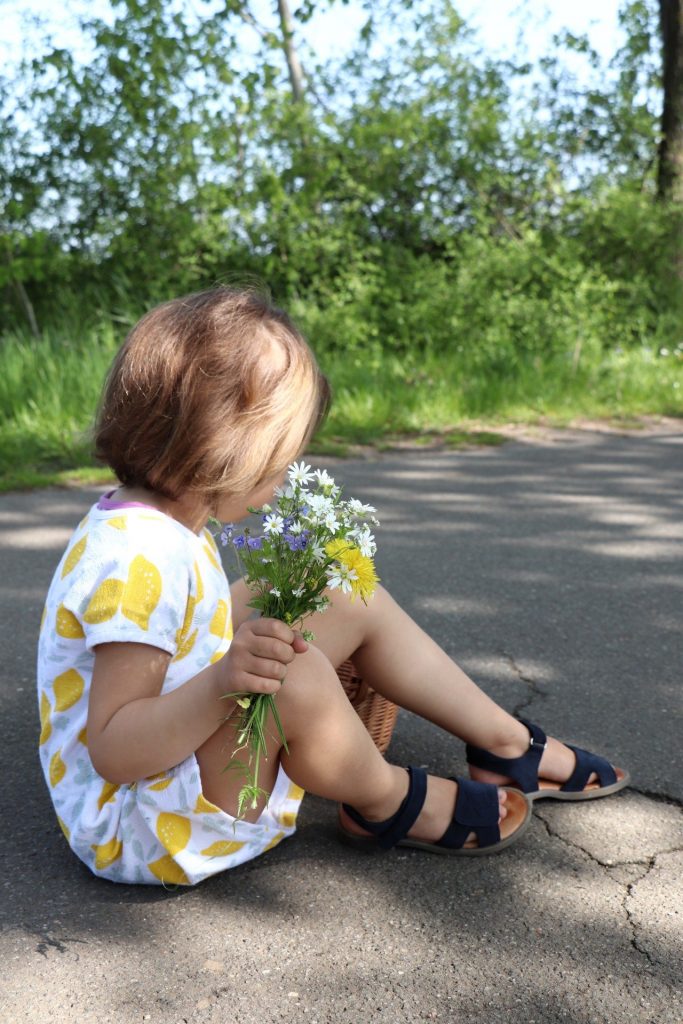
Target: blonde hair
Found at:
211, 394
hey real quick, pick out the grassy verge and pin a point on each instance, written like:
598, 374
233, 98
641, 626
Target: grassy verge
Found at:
49, 389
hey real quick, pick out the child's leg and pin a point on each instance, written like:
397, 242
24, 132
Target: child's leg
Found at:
330, 754
404, 664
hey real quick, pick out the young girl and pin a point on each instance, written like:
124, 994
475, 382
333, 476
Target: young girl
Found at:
207, 403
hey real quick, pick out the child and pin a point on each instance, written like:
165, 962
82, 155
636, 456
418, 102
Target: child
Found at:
207, 403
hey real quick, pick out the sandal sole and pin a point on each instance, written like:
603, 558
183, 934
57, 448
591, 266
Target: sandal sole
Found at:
584, 794
370, 845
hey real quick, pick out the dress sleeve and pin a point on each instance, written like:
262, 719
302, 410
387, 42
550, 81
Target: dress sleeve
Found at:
134, 588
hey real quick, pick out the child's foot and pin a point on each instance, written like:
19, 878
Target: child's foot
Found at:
436, 814
541, 766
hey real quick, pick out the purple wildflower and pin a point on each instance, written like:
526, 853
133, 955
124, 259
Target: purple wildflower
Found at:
239, 541
226, 534
297, 542
255, 543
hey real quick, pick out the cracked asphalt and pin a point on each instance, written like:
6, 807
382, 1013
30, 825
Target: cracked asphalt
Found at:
551, 569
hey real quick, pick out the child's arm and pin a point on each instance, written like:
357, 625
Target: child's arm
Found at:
134, 731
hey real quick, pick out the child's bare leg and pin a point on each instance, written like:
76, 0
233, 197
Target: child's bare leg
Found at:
404, 664
330, 754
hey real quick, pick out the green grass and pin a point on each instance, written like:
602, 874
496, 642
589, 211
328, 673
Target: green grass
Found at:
385, 398
49, 389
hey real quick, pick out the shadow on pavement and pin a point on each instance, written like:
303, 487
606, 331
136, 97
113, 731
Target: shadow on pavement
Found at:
552, 573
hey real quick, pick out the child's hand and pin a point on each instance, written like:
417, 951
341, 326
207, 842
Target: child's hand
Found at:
259, 654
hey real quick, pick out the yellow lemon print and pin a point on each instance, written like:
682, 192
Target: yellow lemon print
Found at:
83, 736
68, 688
109, 790
142, 591
67, 624
161, 784
200, 584
209, 538
65, 829
166, 870
105, 602
74, 556
217, 657
221, 849
173, 832
295, 792
288, 819
118, 522
42, 618
279, 836
184, 642
219, 620
187, 621
57, 769
107, 853
185, 647
212, 555
45, 726
204, 807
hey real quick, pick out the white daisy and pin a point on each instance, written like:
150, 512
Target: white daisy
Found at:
331, 522
357, 508
274, 524
299, 474
318, 507
324, 478
339, 577
318, 552
284, 492
364, 540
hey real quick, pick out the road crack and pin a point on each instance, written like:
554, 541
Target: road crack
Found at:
629, 887
535, 690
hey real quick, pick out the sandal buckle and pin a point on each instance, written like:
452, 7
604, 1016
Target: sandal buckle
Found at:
535, 745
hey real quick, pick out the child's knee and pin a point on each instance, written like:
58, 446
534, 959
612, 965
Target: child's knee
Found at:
311, 682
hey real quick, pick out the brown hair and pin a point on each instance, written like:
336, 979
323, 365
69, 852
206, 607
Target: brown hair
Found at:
197, 400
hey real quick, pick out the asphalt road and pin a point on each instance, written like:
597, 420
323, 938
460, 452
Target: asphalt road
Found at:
551, 569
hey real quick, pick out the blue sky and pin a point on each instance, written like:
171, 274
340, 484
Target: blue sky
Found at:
497, 21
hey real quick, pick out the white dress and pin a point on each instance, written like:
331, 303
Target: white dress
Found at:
133, 574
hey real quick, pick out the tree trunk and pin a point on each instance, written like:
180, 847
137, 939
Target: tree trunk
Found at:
296, 75
670, 171
27, 307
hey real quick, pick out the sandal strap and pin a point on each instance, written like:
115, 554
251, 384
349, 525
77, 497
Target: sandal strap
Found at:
524, 769
476, 810
395, 828
586, 764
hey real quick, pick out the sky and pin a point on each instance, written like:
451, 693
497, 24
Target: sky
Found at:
498, 23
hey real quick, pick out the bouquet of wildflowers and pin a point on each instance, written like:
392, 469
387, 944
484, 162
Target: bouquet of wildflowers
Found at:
310, 542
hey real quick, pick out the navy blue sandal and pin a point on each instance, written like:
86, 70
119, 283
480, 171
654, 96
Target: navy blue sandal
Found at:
476, 810
524, 771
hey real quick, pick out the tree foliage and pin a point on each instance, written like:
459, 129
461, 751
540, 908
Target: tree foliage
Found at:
418, 194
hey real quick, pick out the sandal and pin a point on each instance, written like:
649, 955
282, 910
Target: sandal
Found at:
476, 810
523, 771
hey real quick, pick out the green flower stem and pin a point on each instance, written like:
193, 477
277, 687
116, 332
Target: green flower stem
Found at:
251, 733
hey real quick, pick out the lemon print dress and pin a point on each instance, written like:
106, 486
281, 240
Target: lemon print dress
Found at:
133, 574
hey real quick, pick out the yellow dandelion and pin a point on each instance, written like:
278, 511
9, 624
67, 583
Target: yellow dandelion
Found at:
364, 579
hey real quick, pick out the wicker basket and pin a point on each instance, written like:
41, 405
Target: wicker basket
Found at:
377, 714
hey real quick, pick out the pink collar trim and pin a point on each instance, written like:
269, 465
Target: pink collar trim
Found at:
107, 505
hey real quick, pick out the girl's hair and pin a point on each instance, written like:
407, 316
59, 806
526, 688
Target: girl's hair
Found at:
210, 394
